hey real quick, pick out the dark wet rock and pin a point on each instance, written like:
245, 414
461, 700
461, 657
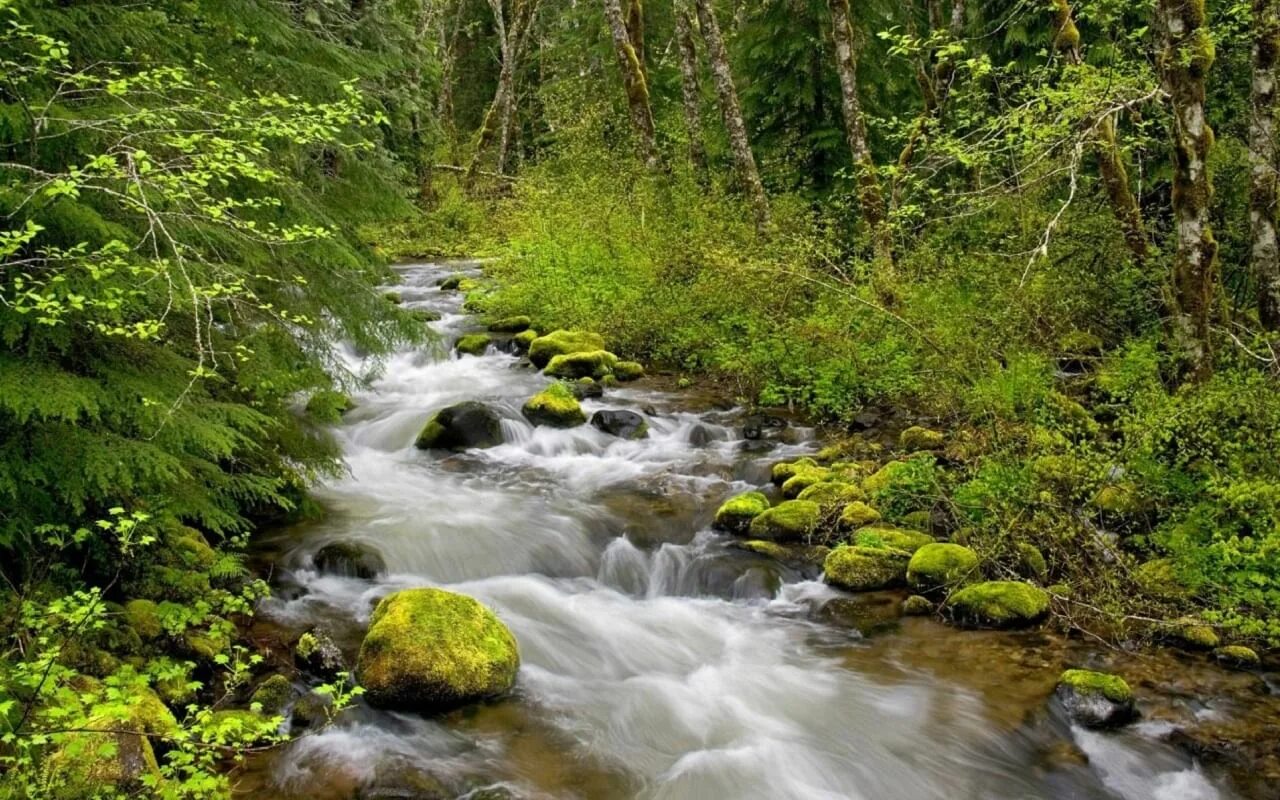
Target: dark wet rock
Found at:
1095, 699
917, 606
311, 710
587, 389
757, 446
623, 424
757, 583
461, 427
763, 426
866, 420
350, 560
396, 780
317, 653
700, 436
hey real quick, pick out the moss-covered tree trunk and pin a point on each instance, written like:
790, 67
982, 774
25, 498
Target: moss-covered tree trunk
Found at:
1111, 166
870, 196
1185, 59
523, 24
635, 29
690, 91
497, 119
731, 111
634, 83
1265, 252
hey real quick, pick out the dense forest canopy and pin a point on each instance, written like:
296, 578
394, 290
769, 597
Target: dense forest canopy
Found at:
1047, 226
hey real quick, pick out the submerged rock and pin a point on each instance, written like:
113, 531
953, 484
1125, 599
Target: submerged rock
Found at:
1095, 699
790, 521
862, 569
999, 604
623, 424
917, 606
735, 514
559, 343
554, 407
473, 344
350, 560
941, 565
597, 364
431, 650
461, 427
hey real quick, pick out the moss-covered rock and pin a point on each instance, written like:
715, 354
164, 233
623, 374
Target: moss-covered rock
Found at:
517, 324
803, 479
460, 427
317, 652
92, 763
425, 314
941, 565
917, 606
452, 283
627, 371
802, 556
207, 644
393, 298
831, 494
1158, 579
428, 650
858, 515
999, 604
555, 407
523, 339
272, 695
1192, 634
596, 364
917, 438
735, 514
884, 477
896, 538
782, 471
1120, 499
1080, 344
1031, 563
1237, 656
790, 521
143, 616
1095, 699
241, 724
559, 343
473, 344
862, 569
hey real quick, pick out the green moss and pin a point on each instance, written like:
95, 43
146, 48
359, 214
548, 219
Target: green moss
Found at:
941, 565
1237, 657
803, 478
425, 315
735, 514
523, 339
591, 364
143, 616
393, 297
241, 725
1158, 578
451, 283
1087, 682
511, 325
428, 649
1119, 499
857, 515
473, 344
94, 761
831, 494
628, 371
884, 477
917, 438
896, 538
555, 407
785, 469
917, 606
1031, 563
559, 343
918, 520
863, 569
193, 550
1000, 604
792, 520
796, 554
207, 644
273, 694
1193, 634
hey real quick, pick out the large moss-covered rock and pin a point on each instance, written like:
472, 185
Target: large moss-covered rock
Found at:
1191, 634
1095, 699
805, 478
559, 343
1237, 656
555, 407
523, 339
789, 521
858, 515
626, 371
784, 470
510, 324
429, 650
999, 604
831, 494
461, 427
918, 438
93, 763
862, 569
143, 616
941, 565
473, 344
735, 514
596, 364
896, 538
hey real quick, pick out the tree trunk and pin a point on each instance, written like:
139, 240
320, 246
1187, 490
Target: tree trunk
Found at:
497, 120
870, 196
731, 111
635, 84
635, 29
690, 92
1115, 176
1186, 57
1265, 252
520, 34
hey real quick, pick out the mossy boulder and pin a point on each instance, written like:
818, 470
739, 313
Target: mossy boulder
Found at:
735, 514
917, 606
858, 515
803, 479
473, 344
596, 364
896, 538
863, 569
317, 653
627, 371
207, 643
884, 477
1158, 579
425, 314
800, 556
586, 389
461, 427
917, 438
452, 283
554, 407
784, 470
143, 616
523, 339
1095, 699
941, 565
1237, 656
431, 650
1191, 634
999, 604
124, 760
831, 494
393, 298
272, 695
560, 343
790, 521
517, 324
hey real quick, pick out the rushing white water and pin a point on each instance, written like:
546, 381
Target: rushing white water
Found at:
657, 661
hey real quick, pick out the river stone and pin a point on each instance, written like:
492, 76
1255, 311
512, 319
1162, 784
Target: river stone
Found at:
941, 565
431, 650
554, 407
1095, 699
510, 325
763, 426
999, 604
735, 514
559, 343
597, 364
473, 344
864, 569
586, 389
461, 427
623, 424
791, 521
316, 652
349, 560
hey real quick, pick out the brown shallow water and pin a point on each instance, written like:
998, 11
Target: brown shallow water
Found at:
661, 662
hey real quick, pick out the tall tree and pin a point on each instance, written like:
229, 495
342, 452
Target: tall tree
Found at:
1115, 176
690, 91
498, 119
634, 82
1265, 252
1186, 56
870, 196
731, 110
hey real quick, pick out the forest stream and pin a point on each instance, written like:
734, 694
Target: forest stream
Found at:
658, 659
